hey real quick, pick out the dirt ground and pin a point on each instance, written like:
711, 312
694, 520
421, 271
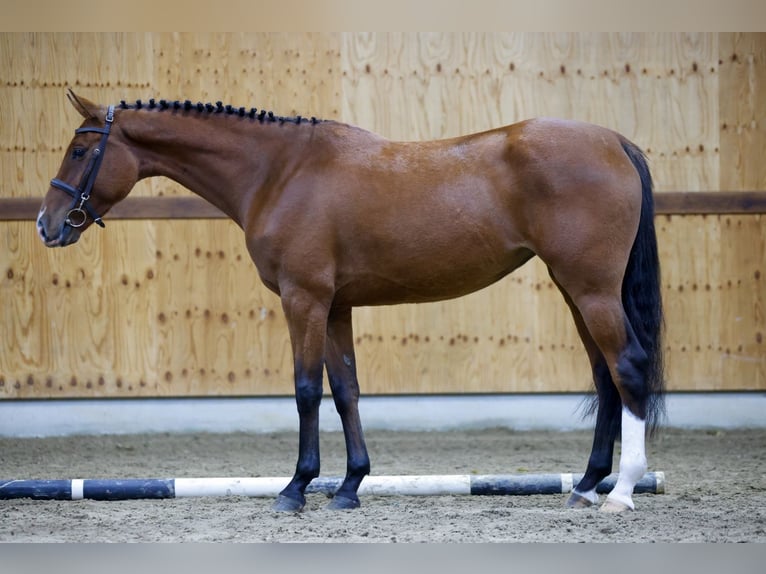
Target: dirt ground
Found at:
715, 489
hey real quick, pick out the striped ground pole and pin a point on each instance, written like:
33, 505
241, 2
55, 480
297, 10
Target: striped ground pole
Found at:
405, 485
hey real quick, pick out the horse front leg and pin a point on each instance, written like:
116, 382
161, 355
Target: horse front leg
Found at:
306, 320
341, 370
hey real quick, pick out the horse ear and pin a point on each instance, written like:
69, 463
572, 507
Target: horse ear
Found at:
86, 108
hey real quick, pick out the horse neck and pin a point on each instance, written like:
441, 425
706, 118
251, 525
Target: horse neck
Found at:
222, 158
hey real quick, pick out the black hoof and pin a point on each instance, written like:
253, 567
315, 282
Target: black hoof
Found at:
343, 503
578, 501
286, 504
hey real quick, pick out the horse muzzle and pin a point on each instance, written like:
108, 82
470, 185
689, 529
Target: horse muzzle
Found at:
56, 235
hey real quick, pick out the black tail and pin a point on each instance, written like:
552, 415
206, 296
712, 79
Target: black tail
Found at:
641, 296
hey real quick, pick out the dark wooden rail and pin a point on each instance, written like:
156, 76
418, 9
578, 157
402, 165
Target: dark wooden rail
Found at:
666, 203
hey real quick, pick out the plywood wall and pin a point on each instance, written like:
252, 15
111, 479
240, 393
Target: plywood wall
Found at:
174, 308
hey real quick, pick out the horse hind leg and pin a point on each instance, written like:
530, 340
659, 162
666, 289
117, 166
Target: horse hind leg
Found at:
620, 372
607, 405
632, 367
627, 364
606, 430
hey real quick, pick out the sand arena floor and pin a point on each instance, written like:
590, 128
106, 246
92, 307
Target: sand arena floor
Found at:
715, 489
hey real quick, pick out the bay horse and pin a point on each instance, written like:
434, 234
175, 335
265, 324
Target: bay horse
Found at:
336, 217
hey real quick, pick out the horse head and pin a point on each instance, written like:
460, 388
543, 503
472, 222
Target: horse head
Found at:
98, 170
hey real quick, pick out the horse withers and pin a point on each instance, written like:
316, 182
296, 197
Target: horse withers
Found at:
336, 217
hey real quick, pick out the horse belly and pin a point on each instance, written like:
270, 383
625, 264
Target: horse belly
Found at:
426, 274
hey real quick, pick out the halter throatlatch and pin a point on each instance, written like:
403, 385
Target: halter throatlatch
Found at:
80, 210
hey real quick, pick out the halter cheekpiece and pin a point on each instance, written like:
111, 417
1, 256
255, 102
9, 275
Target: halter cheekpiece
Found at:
81, 209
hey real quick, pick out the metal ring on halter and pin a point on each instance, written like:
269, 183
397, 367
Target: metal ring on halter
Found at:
79, 219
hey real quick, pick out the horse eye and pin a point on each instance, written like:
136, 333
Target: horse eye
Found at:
78, 152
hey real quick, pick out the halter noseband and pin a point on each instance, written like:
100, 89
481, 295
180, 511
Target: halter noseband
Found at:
78, 213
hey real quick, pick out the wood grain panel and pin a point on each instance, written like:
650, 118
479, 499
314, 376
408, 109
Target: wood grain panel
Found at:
90, 60
289, 73
219, 327
71, 317
42, 65
743, 310
742, 60
714, 297
175, 308
177, 320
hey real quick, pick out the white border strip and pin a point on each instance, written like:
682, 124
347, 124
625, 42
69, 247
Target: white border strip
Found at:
78, 488
567, 481
41, 418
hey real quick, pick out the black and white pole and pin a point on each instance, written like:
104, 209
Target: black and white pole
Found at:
406, 485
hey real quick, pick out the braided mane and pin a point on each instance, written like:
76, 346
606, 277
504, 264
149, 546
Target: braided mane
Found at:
187, 105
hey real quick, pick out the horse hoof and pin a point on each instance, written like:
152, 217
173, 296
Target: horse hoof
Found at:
286, 504
577, 501
614, 507
343, 503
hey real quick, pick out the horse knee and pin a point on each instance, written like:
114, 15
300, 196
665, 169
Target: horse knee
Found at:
308, 395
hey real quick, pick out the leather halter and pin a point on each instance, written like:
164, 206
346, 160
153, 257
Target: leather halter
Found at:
80, 209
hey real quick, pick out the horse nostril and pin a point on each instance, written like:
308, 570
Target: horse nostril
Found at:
41, 231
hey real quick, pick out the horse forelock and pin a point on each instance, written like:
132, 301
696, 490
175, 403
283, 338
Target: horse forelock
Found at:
217, 108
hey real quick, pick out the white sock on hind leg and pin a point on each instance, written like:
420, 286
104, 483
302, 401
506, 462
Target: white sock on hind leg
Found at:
632, 458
